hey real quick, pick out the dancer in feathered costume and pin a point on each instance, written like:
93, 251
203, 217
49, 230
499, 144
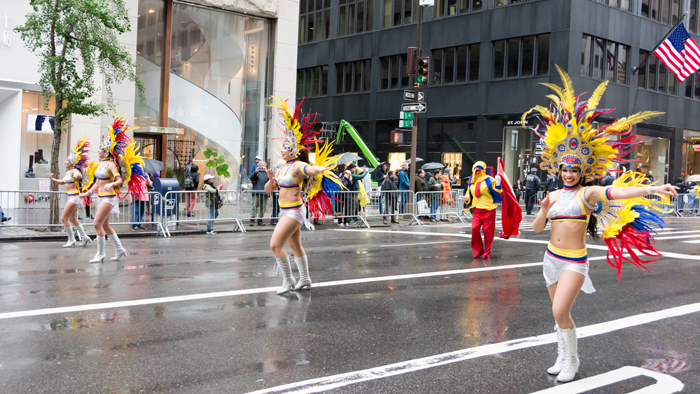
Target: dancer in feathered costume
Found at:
117, 155
76, 163
578, 152
298, 136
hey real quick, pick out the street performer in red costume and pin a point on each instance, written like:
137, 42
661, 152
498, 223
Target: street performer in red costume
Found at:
483, 196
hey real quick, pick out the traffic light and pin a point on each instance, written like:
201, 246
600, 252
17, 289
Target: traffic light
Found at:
423, 69
411, 64
397, 137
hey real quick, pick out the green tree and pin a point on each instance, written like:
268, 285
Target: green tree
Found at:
73, 39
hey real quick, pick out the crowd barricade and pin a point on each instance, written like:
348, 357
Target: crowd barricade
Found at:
265, 207
30, 208
189, 206
440, 205
686, 205
391, 203
350, 208
133, 212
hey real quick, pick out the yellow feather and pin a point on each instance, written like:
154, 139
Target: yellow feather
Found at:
569, 99
542, 110
625, 123
597, 95
557, 90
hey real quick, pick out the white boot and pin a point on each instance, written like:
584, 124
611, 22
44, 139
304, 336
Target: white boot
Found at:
100, 256
570, 361
303, 267
121, 252
288, 281
71, 237
556, 368
85, 239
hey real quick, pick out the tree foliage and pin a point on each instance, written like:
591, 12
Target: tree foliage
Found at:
73, 39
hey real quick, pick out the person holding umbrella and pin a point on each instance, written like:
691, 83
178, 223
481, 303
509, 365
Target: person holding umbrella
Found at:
379, 175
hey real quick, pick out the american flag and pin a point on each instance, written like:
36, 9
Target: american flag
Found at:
679, 53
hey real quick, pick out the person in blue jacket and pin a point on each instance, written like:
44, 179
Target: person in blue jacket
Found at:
404, 184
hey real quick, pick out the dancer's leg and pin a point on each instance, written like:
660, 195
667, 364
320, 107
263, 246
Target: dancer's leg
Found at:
489, 229
284, 230
477, 245
564, 294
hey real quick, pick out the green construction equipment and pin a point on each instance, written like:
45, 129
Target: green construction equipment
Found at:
358, 140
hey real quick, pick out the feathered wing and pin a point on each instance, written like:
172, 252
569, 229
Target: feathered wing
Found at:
88, 180
133, 167
597, 95
322, 187
628, 225
624, 124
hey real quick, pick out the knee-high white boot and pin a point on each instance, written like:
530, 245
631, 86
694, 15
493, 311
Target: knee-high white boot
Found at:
303, 267
85, 239
100, 256
570, 360
556, 368
120, 251
288, 282
71, 237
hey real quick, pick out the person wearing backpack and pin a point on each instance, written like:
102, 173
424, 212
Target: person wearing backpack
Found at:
211, 200
191, 182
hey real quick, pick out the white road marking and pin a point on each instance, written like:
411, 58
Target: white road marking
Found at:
422, 243
523, 240
190, 297
665, 384
385, 371
678, 237
697, 241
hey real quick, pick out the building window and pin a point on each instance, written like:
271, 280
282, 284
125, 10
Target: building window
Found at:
399, 12
394, 74
500, 3
621, 4
602, 59
456, 64
453, 7
314, 20
521, 57
655, 76
354, 16
312, 82
664, 11
353, 76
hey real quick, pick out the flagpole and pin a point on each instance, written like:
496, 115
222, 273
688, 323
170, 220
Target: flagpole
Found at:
680, 20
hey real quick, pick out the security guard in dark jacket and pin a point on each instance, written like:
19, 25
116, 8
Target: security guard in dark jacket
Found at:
532, 185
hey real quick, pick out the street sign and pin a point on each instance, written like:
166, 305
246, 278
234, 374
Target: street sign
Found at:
405, 115
414, 107
405, 124
408, 95
428, 3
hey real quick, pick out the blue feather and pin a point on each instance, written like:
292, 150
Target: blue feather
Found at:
647, 220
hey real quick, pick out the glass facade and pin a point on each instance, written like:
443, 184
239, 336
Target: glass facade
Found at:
216, 92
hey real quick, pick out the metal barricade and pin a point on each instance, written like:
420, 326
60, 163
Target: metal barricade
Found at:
349, 208
390, 203
133, 211
686, 205
30, 208
188, 206
439, 205
259, 207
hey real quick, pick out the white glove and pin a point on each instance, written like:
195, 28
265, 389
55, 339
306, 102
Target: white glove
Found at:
498, 180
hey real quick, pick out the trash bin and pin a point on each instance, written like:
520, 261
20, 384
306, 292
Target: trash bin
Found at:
163, 186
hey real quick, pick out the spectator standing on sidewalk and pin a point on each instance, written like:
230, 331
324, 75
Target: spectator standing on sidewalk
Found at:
420, 186
389, 187
138, 206
435, 186
356, 179
210, 200
254, 167
404, 184
259, 179
191, 182
379, 175
447, 200
532, 186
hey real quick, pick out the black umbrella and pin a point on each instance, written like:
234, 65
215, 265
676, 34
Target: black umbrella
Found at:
432, 166
152, 166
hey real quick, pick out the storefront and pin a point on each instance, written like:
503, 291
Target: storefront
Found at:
205, 86
691, 152
651, 158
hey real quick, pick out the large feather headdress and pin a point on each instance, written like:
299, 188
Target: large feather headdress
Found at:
117, 139
570, 139
79, 156
297, 127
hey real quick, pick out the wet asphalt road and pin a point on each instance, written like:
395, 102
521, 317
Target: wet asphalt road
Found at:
250, 339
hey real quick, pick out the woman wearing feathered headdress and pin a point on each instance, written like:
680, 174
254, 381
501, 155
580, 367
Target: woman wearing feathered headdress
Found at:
298, 135
76, 163
117, 154
580, 153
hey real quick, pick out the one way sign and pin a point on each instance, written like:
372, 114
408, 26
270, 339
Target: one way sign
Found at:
408, 95
414, 107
